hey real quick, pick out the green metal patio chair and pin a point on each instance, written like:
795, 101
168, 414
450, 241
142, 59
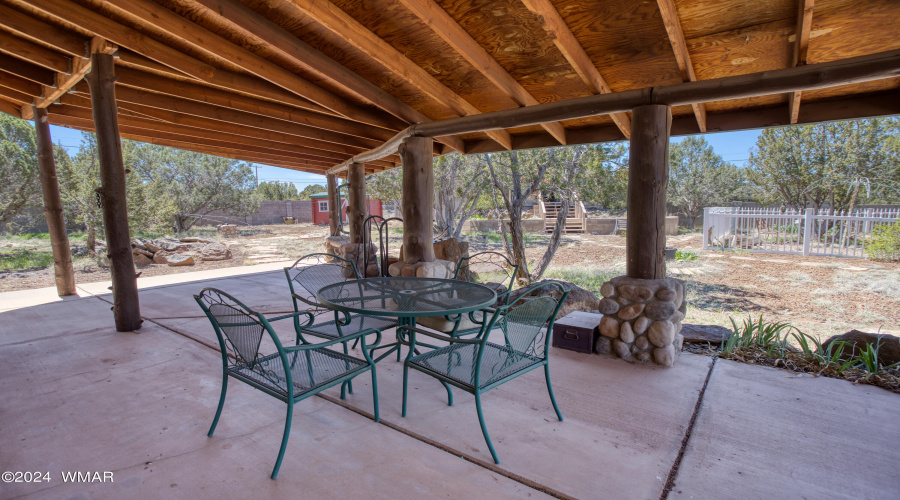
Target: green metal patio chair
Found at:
491, 269
476, 365
291, 373
306, 277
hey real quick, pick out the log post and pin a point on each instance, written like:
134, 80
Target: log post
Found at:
648, 178
56, 224
357, 211
101, 79
418, 200
334, 206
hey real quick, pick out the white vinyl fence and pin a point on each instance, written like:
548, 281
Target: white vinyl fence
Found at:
808, 232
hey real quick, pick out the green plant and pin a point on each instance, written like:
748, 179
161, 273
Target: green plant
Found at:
884, 244
759, 334
685, 255
20, 260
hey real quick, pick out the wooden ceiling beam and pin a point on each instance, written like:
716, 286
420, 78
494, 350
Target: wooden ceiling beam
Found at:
10, 108
334, 19
682, 56
191, 91
15, 96
801, 49
37, 30
34, 53
451, 32
19, 84
27, 70
169, 22
299, 52
124, 36
80, 68
565, 41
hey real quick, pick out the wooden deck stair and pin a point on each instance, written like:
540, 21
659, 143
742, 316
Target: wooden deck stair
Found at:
575, 220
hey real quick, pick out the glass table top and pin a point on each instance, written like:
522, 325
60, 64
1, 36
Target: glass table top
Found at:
407, 297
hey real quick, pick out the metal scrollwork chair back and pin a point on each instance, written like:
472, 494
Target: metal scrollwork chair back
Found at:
291, 373
477, 365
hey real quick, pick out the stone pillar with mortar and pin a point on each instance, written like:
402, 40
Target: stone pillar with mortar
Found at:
418, 214
643, 310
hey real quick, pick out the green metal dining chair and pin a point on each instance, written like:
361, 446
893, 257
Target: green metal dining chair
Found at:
491, 269
291, 373
477, 365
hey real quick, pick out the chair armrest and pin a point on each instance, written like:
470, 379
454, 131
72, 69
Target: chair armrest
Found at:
438, 336
358, 335
309, 315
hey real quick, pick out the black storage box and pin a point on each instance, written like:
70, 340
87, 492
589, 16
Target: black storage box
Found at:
576, 331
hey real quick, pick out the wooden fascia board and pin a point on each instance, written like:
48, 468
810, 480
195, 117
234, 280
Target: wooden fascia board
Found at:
451, 32
337, 21
557, 29
676, 37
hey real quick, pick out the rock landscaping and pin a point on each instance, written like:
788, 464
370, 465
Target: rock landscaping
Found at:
181, 252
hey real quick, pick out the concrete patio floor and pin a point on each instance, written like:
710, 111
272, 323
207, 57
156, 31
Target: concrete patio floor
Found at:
78, 396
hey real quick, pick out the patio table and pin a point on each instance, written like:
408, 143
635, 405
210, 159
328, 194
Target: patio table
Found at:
406, 299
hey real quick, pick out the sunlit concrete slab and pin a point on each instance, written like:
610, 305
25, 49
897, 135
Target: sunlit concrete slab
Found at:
769, 433
25, 298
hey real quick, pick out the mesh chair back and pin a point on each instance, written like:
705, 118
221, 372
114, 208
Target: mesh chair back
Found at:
316, 271
525, 332
487, 268
239, 330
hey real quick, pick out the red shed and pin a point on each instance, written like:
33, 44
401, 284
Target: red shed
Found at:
320, 208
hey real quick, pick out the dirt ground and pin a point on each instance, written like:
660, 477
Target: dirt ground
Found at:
820, 295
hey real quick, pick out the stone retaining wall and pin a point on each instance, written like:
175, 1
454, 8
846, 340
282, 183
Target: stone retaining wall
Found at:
594, 225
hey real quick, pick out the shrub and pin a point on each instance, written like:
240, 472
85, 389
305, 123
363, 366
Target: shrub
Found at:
885, 242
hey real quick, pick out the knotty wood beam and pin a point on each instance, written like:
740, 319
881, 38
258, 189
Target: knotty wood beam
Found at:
418, 200
299, 52
123, 36
63, 271
126, 305
801, 49
682, 56
648, 178
333, 18
565, 41
203, 39
80, 67
451, 32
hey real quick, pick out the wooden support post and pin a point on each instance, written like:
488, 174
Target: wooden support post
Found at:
101, 79
334, 206
648, 178
357, 211
418, 200
56, 225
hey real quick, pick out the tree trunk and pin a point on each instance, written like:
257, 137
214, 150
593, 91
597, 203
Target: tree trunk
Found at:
63, 270
418, 200
357, 211
648, 178
553, 245
126, 306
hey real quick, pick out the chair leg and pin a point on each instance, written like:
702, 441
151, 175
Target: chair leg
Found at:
487, 438
550, 390
375, 392
405, 377
349, 382
449, 393
212, 428
284, 440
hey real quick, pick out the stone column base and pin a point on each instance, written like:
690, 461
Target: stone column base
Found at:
333, 244
642, 319
356, 252
436, 269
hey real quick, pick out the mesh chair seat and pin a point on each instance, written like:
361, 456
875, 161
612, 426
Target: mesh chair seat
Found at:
309, 370
329, 329
458, 361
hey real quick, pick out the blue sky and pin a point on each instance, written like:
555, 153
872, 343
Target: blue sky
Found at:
733, 146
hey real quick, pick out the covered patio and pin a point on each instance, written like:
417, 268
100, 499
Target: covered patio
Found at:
348, 89
80, 397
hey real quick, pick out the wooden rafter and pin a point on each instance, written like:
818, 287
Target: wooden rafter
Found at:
331, 17
451, 32
682, 56
572, 50
80, 67
27, 70
301, 53
801, 48
34, 53
34, 29
169, 22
